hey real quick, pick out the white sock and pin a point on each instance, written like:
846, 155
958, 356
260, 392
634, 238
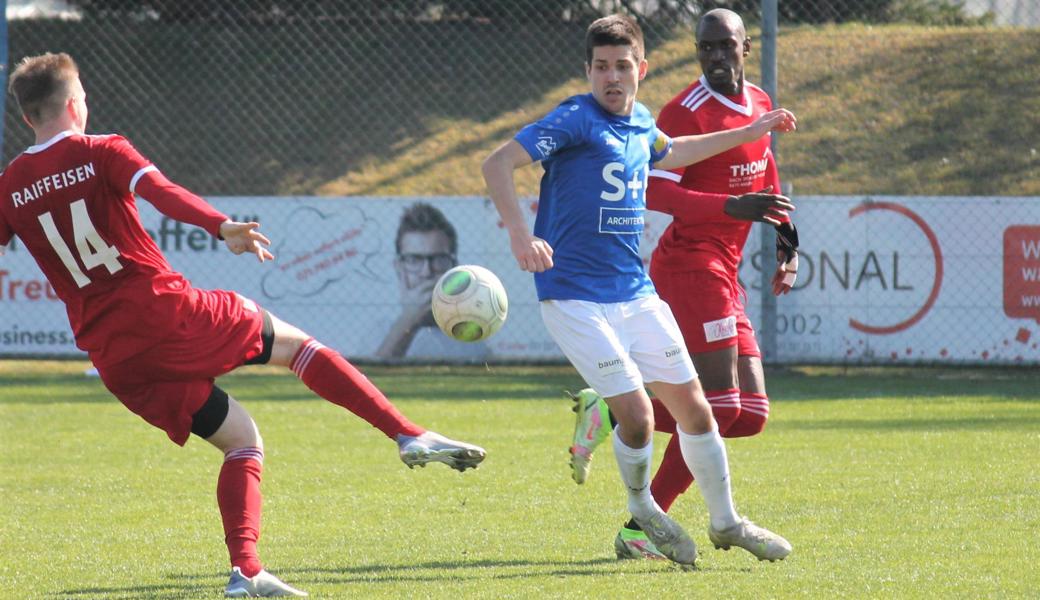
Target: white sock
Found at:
705, 455
634, 464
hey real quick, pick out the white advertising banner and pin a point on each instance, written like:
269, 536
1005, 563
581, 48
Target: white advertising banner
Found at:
336, 276
890, 280
881, 280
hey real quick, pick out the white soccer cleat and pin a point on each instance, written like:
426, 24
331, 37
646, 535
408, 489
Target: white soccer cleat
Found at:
432, 446
761, 542
261, 585
669, 538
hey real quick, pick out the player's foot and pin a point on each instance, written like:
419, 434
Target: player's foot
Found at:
261, 585
633, 543
759, 541
590, 429
669, 538
431, 446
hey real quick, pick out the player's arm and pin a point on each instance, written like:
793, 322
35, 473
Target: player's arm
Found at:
689, 149
664, 194
532, 254
178, 203
127, 170
786, 240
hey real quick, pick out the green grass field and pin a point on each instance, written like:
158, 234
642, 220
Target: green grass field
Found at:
912, 483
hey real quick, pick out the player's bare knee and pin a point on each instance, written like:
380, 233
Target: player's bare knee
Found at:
635, 428
225, 423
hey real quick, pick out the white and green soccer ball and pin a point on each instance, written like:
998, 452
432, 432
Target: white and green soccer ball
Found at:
469, 303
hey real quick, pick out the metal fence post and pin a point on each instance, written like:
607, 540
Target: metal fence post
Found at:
767, 327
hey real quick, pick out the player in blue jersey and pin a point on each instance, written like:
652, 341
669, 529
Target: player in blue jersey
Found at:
596, 298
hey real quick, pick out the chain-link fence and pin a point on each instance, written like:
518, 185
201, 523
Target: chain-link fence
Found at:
403, 97
274, 97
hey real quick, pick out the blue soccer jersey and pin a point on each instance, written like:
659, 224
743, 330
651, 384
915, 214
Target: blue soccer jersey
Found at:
592, 198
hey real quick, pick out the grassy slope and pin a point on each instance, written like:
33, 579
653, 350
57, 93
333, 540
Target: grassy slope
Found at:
916, 483
883, 110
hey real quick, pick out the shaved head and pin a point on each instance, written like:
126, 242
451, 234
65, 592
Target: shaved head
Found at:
722, 17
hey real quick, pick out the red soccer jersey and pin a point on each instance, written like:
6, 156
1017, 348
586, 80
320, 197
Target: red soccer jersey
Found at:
70, 201
692, 243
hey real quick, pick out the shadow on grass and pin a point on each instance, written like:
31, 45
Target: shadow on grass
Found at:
188, 584
476, 385
159, 591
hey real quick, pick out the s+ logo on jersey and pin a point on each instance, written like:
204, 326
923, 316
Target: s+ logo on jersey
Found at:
610, 177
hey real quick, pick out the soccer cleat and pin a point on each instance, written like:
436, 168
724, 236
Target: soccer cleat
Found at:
759, 541
590, 429
261, 585
669, 538
633, 543
431, 446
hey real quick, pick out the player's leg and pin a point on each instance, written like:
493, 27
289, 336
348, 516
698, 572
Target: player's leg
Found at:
702, 447
716, 365
588, 334
332, 377
224, 423
754, 403
673, 477
705, 456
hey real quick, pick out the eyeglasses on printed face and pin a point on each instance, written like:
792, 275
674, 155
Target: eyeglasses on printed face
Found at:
435, 262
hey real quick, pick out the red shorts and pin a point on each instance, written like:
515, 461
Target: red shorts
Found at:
709, 310
170, 381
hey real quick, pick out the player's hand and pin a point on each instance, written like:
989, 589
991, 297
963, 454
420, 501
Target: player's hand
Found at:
533, 254
762, 206
785, 276
244, 237
781, 120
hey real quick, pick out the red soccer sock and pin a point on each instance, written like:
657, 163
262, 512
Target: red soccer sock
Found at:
238, 496
663, 420
673, 477
754, 412
330, 376
725, 407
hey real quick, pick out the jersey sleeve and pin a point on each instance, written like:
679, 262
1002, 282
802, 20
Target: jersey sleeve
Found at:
178, 203
664, 194
128, 170
123, 165
660, 145
560, 129
671, 122
773, 179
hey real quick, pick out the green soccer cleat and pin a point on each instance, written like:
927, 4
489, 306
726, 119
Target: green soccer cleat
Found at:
761, 542
591, 427
261, 585
633, 543
669, 538
434, 447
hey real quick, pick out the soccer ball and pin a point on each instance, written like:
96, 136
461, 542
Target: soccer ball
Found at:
469, 303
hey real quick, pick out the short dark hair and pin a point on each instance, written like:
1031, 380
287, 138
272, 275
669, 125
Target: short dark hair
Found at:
40, 84
614, 30
422, 217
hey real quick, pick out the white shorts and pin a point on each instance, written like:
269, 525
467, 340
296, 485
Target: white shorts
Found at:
617, 346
